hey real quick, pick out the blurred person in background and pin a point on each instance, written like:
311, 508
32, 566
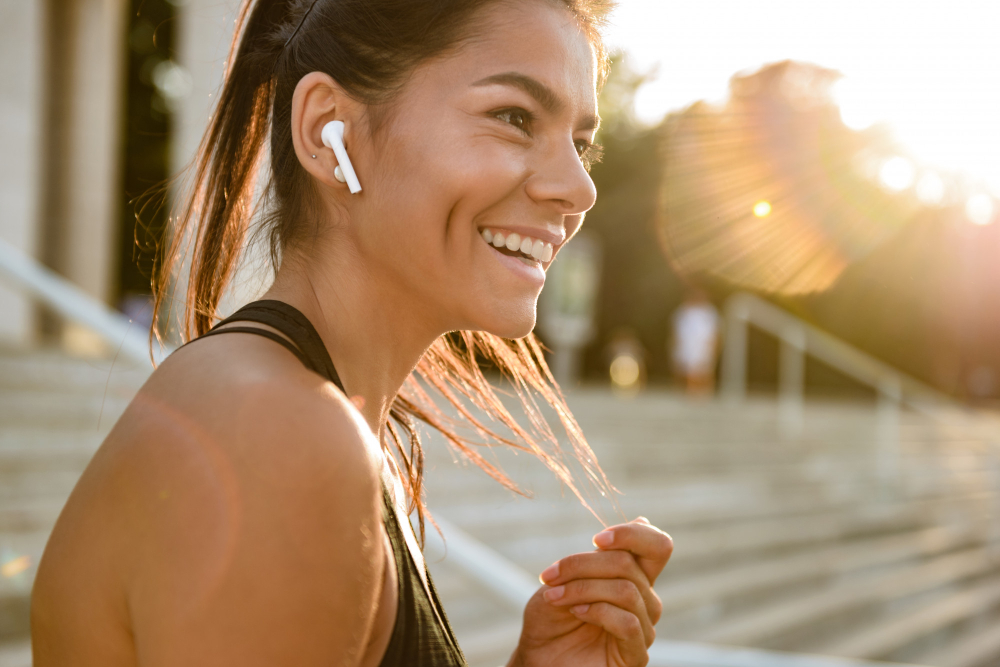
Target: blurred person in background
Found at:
695, 343
252, 505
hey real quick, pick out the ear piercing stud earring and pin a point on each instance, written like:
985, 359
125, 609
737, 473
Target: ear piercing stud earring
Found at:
338, 173
314, 157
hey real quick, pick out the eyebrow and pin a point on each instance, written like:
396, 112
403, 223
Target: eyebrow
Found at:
542, 94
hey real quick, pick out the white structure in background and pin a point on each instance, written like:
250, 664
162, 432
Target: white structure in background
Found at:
62, 64
567, 304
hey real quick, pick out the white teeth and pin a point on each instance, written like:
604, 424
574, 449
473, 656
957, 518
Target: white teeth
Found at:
533, 248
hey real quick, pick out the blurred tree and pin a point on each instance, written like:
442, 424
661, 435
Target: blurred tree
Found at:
764, 192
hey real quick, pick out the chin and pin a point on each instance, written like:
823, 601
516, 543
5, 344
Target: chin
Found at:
508, 320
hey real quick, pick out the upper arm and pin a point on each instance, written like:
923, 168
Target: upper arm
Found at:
256, 543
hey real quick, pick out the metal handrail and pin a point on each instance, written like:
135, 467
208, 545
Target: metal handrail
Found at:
71, 302
799, 337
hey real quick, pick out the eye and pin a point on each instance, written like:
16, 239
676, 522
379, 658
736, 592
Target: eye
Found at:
518, 118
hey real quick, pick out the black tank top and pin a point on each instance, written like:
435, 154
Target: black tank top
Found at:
421, 634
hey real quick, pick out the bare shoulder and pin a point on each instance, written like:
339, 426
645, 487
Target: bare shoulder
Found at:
240, 493
246, 414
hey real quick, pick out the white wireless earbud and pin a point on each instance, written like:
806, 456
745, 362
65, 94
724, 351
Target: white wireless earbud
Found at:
333, 137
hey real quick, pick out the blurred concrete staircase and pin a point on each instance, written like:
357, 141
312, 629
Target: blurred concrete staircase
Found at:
787, 545
54, 412
795, 545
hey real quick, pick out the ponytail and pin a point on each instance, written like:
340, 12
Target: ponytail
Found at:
214, 222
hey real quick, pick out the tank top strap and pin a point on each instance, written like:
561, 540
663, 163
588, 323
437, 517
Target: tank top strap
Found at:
293, 324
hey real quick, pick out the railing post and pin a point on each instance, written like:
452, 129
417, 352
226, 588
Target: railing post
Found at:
791, 381
734, 353
890, 393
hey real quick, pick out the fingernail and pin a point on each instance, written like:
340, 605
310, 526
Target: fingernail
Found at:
580, 609
554, 594
604, 539
550, 573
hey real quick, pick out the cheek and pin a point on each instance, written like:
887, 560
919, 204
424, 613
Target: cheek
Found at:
427, 203
434, 192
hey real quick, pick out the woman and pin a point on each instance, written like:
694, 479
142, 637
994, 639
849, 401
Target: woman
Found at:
245, 511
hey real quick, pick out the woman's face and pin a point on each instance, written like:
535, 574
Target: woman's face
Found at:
489, 137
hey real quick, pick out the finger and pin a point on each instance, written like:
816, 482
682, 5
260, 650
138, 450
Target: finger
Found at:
621, 593
650, 545
605, 565
621, 625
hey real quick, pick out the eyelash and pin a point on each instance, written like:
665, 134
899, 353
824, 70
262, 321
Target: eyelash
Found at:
589, 152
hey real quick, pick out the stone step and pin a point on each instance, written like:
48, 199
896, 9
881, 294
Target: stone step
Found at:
834, 559
15, 654
28, 515
491, 645
30, 484
978, 647
881, 641
486, 629
52, 370
61, 410
710, 545
774, 626
29, 438
496, 514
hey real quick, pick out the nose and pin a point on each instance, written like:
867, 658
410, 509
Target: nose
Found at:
561, 182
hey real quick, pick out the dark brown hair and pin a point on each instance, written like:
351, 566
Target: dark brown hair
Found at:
368, 47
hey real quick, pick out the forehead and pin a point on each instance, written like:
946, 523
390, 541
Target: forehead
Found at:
536, 38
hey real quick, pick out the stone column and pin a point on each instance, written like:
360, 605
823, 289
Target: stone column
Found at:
87, 43
22, 118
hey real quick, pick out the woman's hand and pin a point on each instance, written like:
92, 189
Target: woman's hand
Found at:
598, 609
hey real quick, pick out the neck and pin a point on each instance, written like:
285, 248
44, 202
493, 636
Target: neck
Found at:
374, 336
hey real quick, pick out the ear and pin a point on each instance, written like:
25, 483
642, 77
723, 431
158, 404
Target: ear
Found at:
317, 100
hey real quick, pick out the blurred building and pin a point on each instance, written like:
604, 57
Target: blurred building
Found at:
63, 65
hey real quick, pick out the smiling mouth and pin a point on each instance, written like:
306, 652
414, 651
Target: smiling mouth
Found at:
528, 250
